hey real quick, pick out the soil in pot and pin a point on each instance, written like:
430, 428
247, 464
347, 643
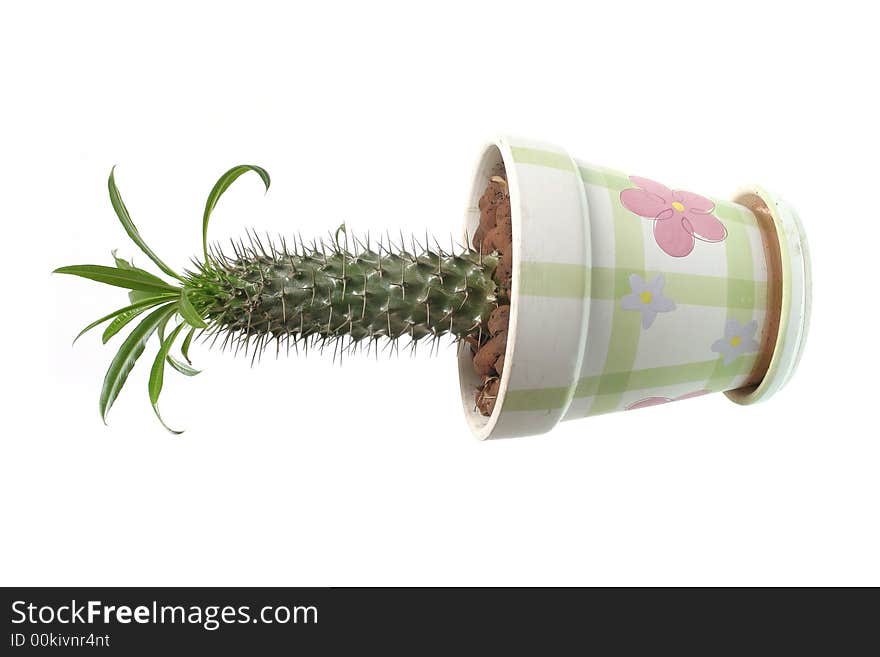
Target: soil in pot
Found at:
494, 234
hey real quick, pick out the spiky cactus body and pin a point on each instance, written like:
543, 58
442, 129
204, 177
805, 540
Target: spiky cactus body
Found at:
320, 293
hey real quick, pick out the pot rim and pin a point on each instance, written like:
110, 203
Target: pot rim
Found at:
570, 216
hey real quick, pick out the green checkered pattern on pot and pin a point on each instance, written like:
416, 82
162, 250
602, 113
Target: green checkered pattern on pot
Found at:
624, 362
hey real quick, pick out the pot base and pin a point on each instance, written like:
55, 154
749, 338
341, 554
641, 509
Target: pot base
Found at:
788, 261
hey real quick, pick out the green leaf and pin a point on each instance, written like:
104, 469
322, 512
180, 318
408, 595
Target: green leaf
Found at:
187, 341
157, 374
126, 357
176, 364
160, 328
127, 278
138, 295
128, 224
221, 186
183, 368
147, 302
188, 311
342, 229
125, 264
98, 322
123, 319
120, 262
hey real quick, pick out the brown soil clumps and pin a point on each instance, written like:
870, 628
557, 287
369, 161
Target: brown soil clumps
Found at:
494, 234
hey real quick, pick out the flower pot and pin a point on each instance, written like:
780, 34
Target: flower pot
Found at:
628, 293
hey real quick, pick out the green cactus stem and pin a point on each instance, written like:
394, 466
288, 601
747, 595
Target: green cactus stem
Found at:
290, 294
319, 293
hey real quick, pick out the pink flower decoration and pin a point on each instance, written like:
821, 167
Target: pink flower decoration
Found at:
656, 401
678, 216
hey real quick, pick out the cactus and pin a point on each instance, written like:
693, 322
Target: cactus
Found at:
273, 292
308, 295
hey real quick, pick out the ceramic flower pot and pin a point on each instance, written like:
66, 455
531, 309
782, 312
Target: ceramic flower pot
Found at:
629, 293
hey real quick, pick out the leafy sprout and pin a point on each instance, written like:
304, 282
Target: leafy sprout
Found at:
167, 302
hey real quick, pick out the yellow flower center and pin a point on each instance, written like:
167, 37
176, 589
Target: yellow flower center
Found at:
678, 206
735, 340
646, 297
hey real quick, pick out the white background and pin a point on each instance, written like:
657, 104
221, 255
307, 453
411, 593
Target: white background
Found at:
298, 472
